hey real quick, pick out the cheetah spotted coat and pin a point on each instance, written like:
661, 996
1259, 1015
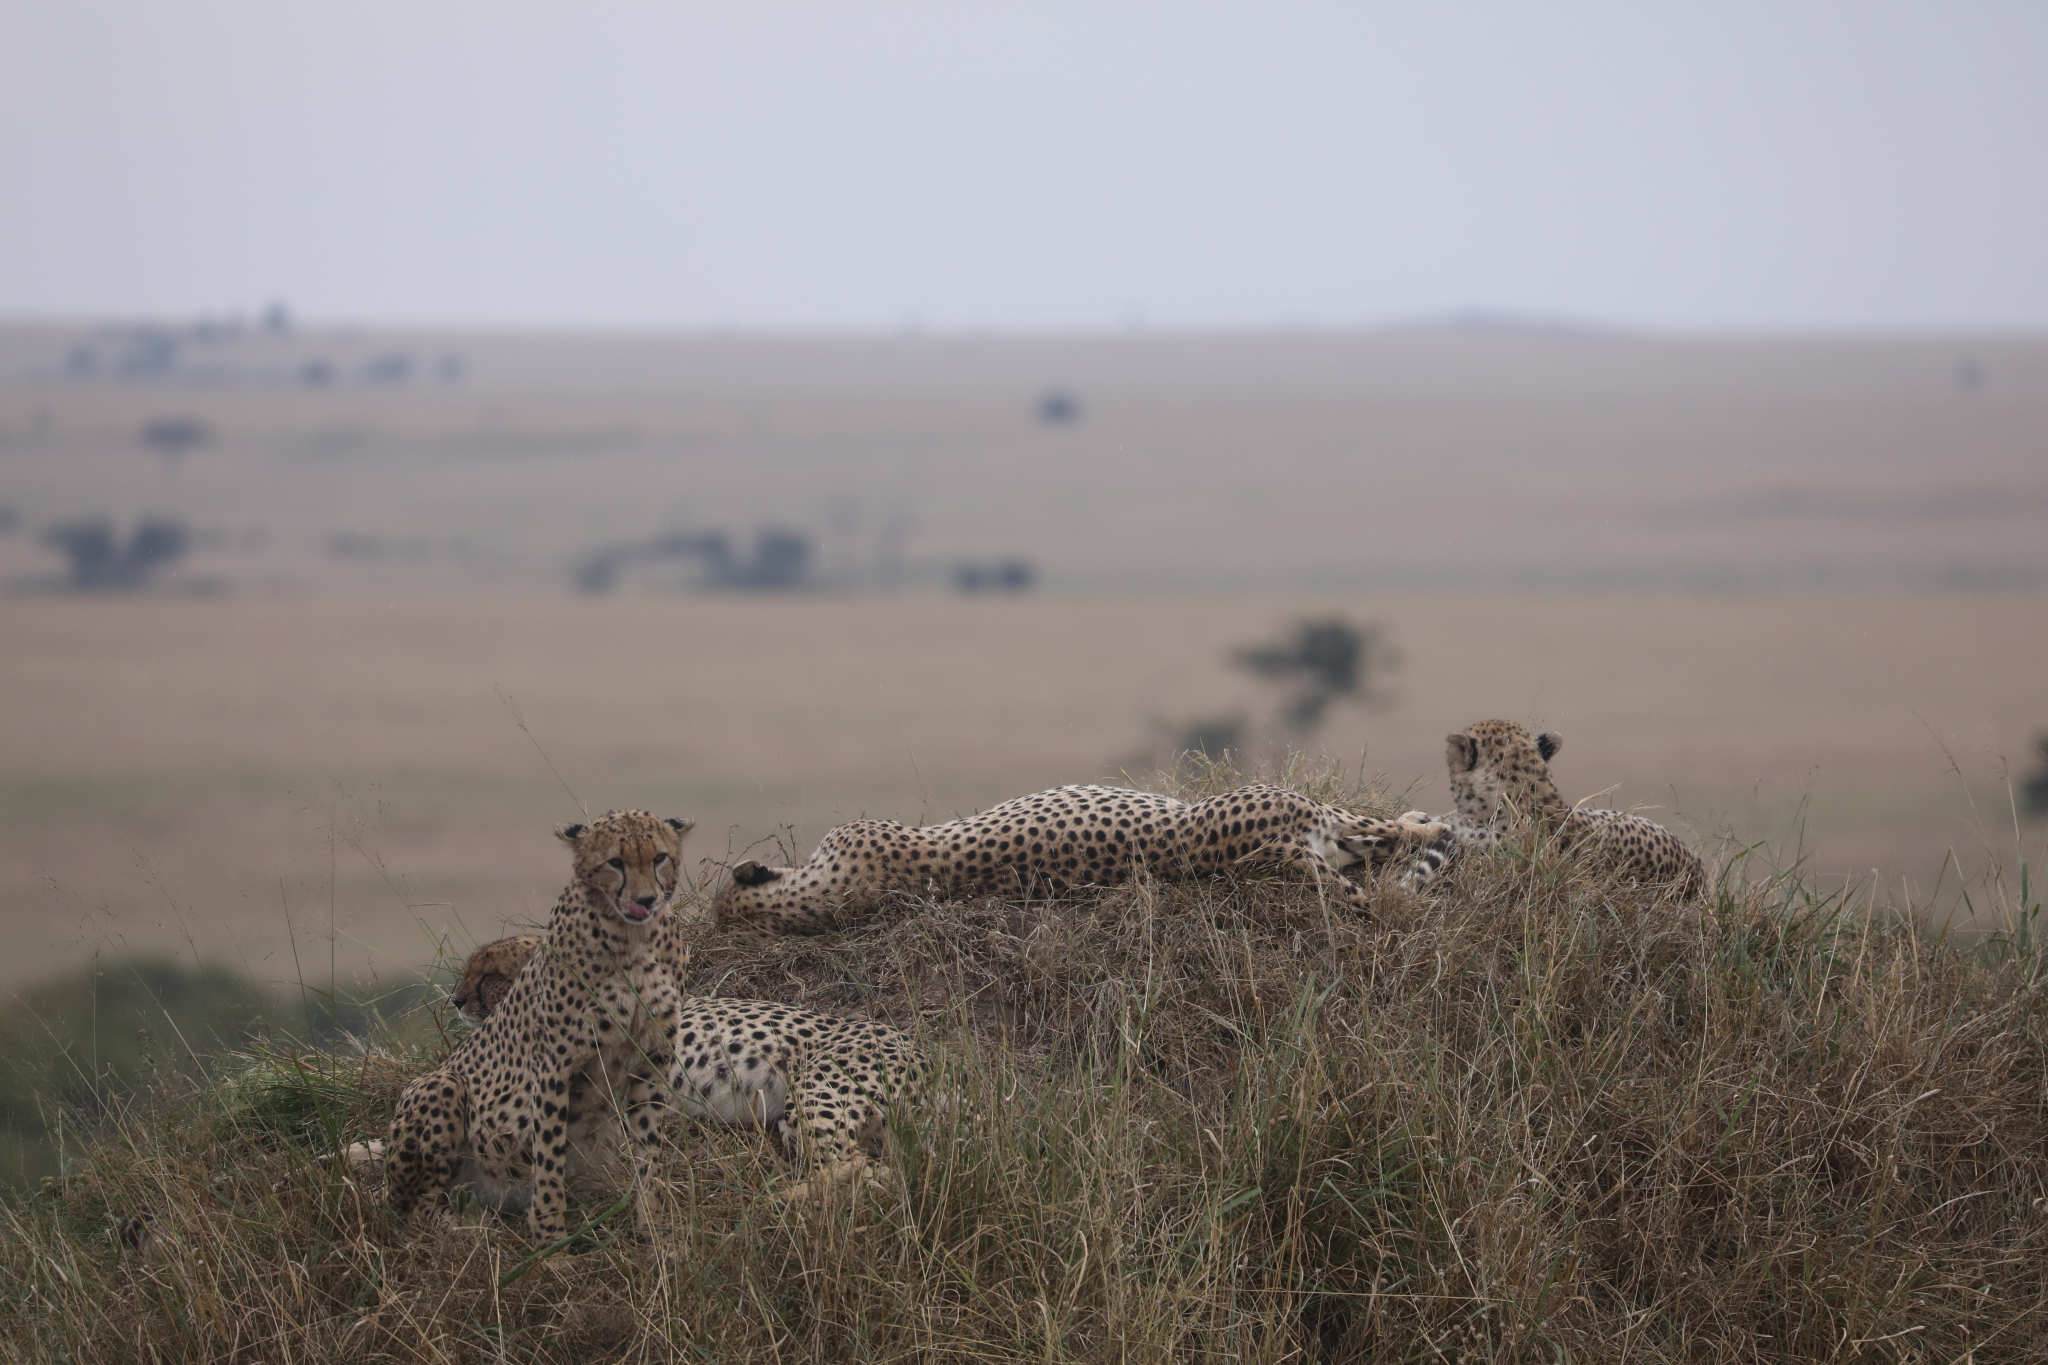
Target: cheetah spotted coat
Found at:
822, 1084
584, 1031
1054, 841
1501, 787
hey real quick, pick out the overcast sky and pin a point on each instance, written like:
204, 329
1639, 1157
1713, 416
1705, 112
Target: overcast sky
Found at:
871, 163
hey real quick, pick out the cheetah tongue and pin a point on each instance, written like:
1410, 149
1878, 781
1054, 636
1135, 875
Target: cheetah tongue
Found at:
635, 913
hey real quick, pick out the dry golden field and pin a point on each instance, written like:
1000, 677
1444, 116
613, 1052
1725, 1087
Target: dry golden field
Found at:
231, 770
1762, 586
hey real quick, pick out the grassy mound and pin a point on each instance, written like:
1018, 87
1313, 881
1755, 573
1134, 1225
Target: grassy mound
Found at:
1527, 1116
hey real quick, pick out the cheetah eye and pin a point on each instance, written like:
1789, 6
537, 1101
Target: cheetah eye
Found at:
616, 864
660, 858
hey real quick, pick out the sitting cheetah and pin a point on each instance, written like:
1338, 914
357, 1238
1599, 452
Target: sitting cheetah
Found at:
828, 1063
591, 1018
1501, 784
1069, 837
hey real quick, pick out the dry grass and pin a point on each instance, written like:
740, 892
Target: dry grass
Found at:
1530, 1116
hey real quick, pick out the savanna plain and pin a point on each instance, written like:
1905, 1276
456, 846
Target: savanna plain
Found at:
1788, 597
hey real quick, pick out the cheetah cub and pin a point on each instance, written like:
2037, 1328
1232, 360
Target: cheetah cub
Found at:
823, 1083
1501, 786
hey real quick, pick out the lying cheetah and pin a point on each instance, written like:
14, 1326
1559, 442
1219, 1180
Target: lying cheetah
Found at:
842, 1072
1501, 785
1069, 837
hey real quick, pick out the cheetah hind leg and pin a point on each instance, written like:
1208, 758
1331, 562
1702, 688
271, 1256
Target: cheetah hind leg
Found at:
1296, 855
833, 1131
418, 1161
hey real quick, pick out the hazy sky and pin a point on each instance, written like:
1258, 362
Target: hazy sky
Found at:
1719, 164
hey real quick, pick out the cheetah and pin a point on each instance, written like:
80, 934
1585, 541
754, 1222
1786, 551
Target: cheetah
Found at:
821, 1059
1054, 841
1501, 785
595, 1138
589, 1018
489, 974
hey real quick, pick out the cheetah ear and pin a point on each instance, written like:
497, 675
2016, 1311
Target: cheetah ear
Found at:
1461, 753
1548, 743
680, 826
751, 873
569, 834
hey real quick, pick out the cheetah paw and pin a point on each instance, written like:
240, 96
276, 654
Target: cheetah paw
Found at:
855, 1173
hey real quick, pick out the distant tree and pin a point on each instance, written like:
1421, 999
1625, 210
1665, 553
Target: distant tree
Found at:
172, 437
1213, 739
1058, 408
1320, 663
782, 559
2034, 791
1007, 575
100, 560
394, 368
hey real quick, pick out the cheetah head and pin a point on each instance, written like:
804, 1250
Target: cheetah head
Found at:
1496, 759
490, 973
630, 858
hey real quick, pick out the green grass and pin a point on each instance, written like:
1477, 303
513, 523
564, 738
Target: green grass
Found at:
1531, 1117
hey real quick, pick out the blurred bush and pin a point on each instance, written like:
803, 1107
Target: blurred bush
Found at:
100, 560
82, 1040
82, 1043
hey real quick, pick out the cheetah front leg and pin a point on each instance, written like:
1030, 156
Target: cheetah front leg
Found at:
647, 1109
548, 1094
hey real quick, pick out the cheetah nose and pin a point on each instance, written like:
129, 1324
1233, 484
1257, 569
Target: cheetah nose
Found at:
644, 902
